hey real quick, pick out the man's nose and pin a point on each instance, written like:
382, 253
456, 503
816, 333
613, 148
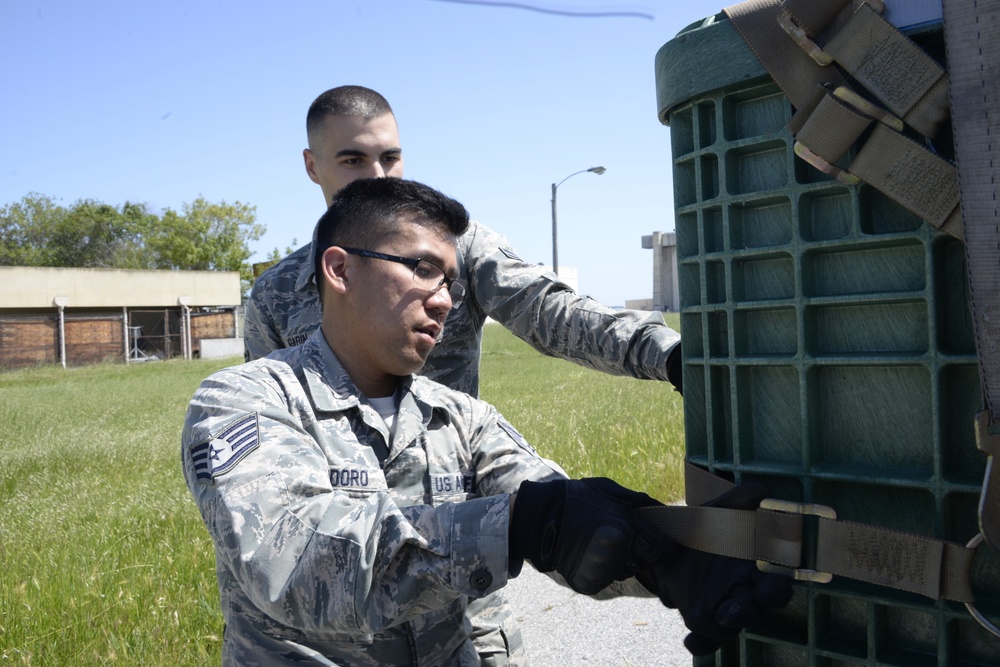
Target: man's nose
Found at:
440, 299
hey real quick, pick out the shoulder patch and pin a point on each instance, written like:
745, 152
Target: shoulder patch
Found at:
511, 254
515, 435
221, 454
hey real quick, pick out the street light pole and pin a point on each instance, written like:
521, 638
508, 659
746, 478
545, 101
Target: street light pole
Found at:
555, 186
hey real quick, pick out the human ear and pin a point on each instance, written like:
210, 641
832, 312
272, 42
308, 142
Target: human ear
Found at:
310, 162
334, 266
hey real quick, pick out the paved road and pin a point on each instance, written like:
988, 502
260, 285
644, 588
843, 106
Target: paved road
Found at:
564, 629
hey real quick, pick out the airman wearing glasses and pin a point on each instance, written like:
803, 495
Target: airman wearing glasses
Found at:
355, 508
408, 263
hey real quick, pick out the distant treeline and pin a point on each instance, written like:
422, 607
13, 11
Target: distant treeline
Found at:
203, 236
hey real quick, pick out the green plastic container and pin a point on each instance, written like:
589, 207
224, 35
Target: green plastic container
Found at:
828, 352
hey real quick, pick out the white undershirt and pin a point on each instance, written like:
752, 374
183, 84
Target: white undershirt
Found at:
387, 408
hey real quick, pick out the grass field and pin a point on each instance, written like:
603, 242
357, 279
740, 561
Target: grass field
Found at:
103, 557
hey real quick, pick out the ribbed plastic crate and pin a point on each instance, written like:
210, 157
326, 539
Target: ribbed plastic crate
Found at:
828, 352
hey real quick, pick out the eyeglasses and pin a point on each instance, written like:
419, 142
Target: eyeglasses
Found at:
429, 276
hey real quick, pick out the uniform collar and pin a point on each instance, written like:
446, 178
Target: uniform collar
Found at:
332, 390
307, 271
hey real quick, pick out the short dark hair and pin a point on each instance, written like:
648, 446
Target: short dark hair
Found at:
367, 211
345, 101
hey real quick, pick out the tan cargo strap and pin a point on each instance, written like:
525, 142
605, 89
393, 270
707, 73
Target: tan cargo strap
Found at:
859, 50
974, 58
773, 536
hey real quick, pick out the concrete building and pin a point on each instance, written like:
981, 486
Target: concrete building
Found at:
666, 291
81, 316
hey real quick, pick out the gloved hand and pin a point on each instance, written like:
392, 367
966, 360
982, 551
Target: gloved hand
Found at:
717, 596
675, 369
582, 529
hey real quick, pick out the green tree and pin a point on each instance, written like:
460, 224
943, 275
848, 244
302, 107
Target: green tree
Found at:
138, 222
37, 231
273, 258
96, 235
276, 255
207, 237
25, 230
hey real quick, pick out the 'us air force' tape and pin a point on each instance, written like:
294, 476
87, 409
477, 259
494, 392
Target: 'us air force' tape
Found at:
221, 454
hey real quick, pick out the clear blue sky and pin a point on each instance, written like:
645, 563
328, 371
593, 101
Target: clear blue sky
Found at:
164, 102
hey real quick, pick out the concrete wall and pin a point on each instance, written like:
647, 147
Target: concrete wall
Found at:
221, 348
36, 287
640, 304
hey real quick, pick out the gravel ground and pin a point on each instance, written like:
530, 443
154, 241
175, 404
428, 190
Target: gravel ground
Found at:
563, 629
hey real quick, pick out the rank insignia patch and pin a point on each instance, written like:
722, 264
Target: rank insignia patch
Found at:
511, 254
221, 454
513, 433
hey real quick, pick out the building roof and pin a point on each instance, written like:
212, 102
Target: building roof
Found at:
38, 287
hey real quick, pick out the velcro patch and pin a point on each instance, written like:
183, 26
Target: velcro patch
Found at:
513, 433
221, 454
511, 254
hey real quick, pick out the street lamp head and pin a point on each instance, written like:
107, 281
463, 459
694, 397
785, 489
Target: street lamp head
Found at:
555, 186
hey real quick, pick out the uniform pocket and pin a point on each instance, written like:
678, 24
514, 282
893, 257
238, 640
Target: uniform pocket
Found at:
253, 508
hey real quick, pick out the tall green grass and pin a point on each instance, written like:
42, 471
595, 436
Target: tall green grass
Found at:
104, 559
591, 423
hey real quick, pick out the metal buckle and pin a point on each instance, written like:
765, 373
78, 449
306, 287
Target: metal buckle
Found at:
989, 508
975, 613
987, 440
789, 507
800, 37
848, 96
844, 177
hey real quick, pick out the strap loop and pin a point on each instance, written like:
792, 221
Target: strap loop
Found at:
935, 568
975, 613
832, 128
800, 573
911, 85
890, 66
848, 96
844, 177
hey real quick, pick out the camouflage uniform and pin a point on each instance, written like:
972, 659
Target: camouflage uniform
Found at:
284, 310
332, 535
555, 320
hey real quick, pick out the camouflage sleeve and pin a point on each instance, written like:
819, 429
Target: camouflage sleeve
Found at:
508, 455
557, 321
504, 459
312, 557
259, 336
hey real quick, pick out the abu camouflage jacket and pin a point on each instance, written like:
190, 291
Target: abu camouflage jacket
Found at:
333, 535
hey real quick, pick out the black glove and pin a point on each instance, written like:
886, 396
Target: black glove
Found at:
717, 596
675, 369
580, 528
